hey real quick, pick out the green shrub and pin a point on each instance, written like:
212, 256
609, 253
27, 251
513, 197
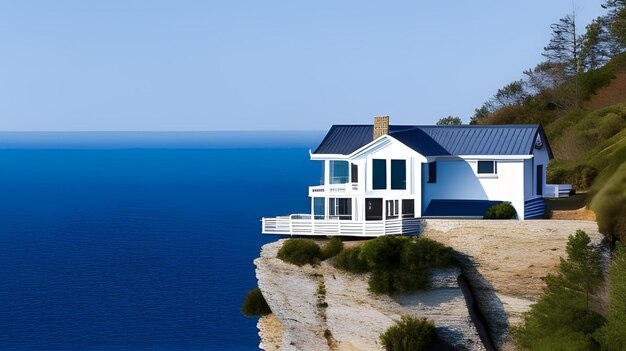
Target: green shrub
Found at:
399, 281
255, 304
612, 336
501, 211
409, 334
563, 312
300, 252
425, 253
350, 260
582, 176
331, 248
383, 252
556, 174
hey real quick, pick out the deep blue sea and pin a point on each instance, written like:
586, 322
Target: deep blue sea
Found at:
135, 241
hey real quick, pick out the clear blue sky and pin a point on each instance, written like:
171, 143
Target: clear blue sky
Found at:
261, 65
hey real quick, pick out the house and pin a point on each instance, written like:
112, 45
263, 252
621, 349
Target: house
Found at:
383, 179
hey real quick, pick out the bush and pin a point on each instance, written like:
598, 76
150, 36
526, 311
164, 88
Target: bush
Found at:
383, 252
331, 248
563, 311
425, 253
582, 176
350, 260
409, 334
300, 252
501, 211
612, 336
399, 281
255, 304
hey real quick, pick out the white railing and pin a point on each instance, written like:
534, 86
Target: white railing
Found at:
346, 188
558, 190
303, 224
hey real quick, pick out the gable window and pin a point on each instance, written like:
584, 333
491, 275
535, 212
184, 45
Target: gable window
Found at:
379, 174
432, 172
338, 172
398, 174
487, 167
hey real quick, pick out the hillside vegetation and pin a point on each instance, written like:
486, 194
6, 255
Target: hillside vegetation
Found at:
579, 96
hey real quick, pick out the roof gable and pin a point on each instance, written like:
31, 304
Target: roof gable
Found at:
440, 140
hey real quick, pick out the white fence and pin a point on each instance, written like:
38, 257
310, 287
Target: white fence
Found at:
558, 190
303, 224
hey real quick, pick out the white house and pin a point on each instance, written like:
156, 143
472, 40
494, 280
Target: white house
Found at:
381, 179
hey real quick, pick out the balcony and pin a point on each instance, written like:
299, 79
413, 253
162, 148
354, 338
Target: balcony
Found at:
333, 189
303, 224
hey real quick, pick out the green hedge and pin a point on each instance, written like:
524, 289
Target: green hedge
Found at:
349, 260
409, 334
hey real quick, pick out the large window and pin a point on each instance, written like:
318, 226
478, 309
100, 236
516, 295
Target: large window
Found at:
398, 174
487, 167
340, 208
338, 172
379, 174
318, 207
432, 172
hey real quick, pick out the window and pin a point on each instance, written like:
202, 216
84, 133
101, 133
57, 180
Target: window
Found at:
379, 174
318, 207
392, 208
432, 172
487, 167
354, 173
398, 174
408, 208
338, 172
340, 208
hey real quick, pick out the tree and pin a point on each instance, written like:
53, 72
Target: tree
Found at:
563, 312
480, 114
598, 44
450, 121
509, 95
612, 336
564, 48
545, 76
616, 19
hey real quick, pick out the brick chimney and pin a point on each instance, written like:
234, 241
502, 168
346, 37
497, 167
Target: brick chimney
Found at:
381, 126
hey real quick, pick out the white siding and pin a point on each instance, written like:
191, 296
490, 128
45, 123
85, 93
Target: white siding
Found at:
457, 179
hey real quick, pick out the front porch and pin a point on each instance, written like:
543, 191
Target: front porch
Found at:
304, 224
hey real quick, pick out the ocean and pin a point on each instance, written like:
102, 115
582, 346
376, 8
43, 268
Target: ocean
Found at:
140, 241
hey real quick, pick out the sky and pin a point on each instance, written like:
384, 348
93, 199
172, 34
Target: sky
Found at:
130, 65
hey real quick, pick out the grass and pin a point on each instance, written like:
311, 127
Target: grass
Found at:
409, 334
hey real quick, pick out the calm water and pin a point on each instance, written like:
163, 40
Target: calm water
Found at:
138, 249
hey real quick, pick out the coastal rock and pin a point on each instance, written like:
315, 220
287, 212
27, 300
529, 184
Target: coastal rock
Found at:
505, 261
346, 316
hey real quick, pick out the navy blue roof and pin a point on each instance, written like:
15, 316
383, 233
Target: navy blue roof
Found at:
458, 208
440, 140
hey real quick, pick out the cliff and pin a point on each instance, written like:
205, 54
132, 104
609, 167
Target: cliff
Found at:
504, 262
345, 316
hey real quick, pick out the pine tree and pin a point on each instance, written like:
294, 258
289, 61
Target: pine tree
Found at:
564, 48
